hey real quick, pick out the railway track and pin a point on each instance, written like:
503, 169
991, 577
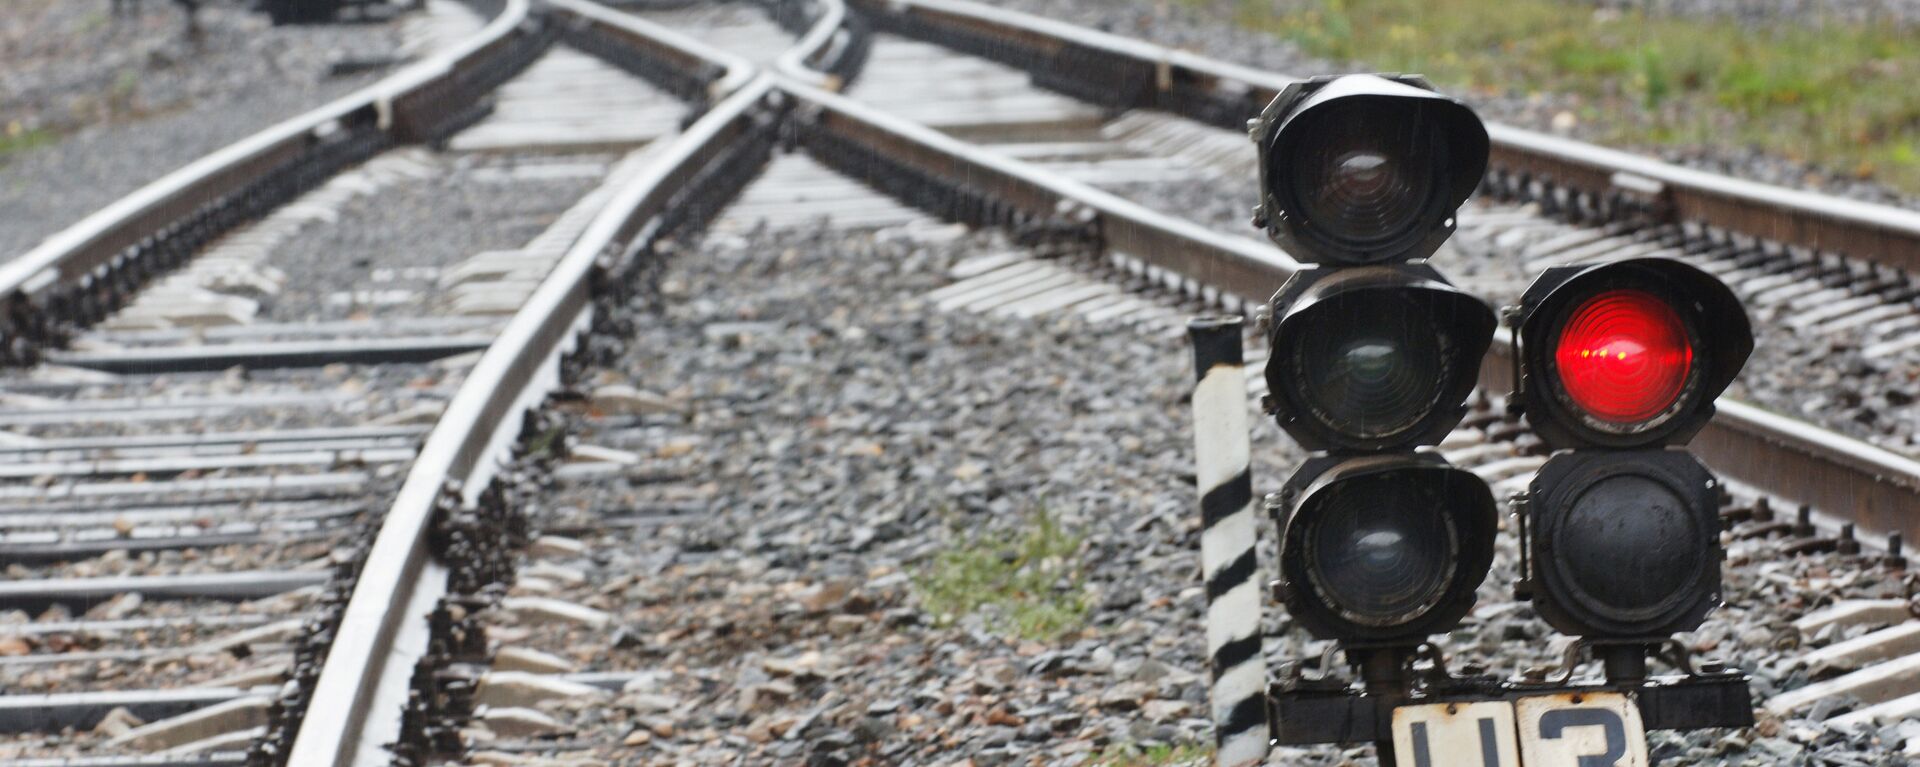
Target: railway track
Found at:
194, 475
468, 557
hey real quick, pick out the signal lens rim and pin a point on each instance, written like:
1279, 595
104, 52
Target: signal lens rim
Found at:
1458, 352
1434, 583
1386, 412
1451, 164
1422, 199
1720, 331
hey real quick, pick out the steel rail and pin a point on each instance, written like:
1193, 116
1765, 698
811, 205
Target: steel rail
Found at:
520, 365
1239, 266
503, 385
510, 374
91, 242
682, 55
825, 40
1142, 74
1837, 474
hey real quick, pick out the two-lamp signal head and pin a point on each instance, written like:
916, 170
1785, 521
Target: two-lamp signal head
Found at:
1628, 354
1384, 549
1373, 358
1365, 169
1619, 364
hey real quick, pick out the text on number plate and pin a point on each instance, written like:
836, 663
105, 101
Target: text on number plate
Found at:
1600, 730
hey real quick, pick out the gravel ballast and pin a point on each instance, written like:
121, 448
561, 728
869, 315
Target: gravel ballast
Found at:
386, 253
824, 439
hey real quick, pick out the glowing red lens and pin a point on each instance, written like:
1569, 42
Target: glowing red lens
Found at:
1623, 357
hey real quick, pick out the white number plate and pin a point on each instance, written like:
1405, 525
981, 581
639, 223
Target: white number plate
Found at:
1566, 730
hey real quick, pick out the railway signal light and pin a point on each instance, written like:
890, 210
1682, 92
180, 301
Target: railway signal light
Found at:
1384, 549
1619, 363
1627, 354
1624, 544
1365, 169
1372, 354
1374, 358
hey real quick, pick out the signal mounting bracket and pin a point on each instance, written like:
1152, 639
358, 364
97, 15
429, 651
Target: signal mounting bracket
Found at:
1312, 713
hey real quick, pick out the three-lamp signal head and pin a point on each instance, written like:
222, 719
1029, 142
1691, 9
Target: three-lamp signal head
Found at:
1628, 354
1365, 169
1372, 354
1383, 549
1373, 358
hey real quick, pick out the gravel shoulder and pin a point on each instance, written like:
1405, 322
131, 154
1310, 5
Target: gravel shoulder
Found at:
113, 103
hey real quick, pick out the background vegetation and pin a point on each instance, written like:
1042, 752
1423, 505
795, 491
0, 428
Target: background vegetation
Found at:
1842, 96
1026, 581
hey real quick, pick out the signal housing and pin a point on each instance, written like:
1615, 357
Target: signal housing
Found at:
1717, 330
1624, 543
1446, 328
1371, 357
1403, 156
1446, 570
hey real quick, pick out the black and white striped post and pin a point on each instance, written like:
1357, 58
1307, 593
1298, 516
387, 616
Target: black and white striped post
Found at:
1223, 454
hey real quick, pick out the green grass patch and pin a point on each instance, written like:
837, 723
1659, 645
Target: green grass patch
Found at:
1129, 755
1027, 581
1840, 95
17, 139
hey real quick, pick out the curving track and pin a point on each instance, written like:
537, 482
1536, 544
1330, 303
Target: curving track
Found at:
1070, 143
221, 407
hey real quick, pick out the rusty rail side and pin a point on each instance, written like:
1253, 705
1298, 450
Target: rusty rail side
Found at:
1004, 191
681, 64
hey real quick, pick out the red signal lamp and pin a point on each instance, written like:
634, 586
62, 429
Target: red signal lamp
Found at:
1628, 354
1624, 356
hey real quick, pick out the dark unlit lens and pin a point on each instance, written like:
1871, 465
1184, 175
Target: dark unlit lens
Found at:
1382, 552
1363, 177
1371, 371
1651, 548
1362, 174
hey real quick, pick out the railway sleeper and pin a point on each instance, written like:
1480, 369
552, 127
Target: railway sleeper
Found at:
82, 593
84, 710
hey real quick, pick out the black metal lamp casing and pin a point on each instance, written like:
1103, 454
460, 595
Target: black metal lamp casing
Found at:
1365, 169
1385, 549
1373, 358
1714, 326
1624, 544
